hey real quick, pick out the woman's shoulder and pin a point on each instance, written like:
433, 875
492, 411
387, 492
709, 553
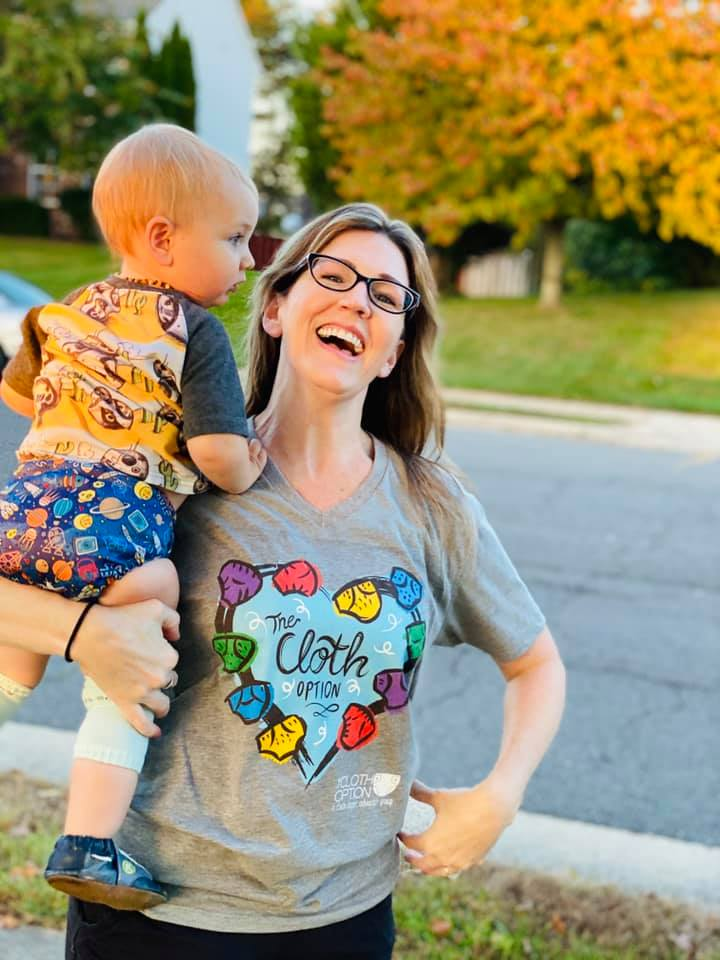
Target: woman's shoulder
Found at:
436, 492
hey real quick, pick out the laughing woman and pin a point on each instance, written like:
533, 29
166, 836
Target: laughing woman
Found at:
272, 805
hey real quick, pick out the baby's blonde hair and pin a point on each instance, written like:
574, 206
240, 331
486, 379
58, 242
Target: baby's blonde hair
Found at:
161, 170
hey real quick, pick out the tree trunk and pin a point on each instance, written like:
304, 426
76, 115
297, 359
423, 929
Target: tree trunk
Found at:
553, 262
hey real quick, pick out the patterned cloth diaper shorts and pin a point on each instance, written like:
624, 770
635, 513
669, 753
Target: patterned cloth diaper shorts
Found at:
75, 527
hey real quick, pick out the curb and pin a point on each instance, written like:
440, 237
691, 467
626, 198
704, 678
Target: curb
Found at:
569, 849
694, 434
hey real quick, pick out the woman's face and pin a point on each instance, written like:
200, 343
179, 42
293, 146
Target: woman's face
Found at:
367, 341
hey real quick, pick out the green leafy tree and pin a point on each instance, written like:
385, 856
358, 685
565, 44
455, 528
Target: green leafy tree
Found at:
71, 83
170, 70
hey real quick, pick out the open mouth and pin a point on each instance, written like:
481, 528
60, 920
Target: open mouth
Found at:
344, 340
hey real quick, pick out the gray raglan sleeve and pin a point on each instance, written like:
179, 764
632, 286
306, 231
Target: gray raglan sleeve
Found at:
484, 601
24, 366
212, 396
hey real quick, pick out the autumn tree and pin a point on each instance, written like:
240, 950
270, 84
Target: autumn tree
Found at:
531, 113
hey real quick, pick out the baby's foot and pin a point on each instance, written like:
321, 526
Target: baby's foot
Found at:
98, 871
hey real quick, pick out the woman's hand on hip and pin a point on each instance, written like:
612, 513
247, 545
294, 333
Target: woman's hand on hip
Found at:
467, 824
128, 652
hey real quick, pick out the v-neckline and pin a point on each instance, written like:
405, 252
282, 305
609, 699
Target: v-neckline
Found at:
342, 508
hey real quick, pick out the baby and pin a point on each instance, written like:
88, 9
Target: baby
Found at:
136, 404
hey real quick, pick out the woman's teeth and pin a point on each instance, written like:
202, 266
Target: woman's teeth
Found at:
345, 337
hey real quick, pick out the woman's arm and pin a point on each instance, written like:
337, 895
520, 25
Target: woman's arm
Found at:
124, 649
469, 821
534, 702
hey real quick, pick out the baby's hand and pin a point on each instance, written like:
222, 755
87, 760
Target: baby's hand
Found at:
257, 458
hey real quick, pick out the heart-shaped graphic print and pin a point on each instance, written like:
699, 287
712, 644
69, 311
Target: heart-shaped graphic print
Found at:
317, 672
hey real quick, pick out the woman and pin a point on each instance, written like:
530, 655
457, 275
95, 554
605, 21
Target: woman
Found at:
273, 802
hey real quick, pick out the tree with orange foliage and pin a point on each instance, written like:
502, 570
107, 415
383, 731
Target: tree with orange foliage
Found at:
531, 113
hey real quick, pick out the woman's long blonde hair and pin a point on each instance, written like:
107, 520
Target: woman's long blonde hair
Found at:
404, 410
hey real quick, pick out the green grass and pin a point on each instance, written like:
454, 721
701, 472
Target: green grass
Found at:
659, 350
649, 349
496, 913
31, 816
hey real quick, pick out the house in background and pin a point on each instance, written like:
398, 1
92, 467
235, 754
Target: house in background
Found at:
225, 63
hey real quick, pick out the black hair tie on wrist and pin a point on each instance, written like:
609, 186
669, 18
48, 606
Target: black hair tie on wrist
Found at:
79, 622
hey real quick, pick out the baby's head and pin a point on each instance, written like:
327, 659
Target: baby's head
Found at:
177, 211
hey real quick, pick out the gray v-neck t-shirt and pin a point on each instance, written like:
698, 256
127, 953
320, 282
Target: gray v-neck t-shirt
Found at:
273, 798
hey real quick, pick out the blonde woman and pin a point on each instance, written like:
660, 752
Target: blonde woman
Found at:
309, 606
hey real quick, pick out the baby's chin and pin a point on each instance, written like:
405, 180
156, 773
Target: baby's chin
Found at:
217, 301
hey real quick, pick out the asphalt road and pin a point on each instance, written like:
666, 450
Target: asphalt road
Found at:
619, 546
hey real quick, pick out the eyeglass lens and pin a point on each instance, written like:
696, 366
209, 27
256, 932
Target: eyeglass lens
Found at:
335, 275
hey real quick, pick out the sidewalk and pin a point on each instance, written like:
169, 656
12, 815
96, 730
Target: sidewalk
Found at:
568, 849
695, 434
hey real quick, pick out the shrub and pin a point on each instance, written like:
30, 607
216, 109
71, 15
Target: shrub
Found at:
616, 255
22, 217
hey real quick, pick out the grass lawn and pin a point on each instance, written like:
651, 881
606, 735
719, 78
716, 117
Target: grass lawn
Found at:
650, 349
492, 913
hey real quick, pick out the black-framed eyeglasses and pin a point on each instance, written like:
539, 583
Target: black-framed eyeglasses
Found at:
333, 274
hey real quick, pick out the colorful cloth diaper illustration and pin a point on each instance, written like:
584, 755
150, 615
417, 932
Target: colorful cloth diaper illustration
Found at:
316, 670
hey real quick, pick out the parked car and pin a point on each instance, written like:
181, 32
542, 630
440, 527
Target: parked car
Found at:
17, 296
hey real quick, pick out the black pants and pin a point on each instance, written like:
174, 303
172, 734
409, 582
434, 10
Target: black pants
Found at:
96, 932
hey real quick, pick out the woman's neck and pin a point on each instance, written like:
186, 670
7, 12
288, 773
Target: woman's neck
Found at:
317, 442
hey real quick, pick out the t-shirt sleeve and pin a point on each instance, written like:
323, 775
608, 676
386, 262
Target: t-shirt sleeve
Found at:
24, 366
212, 396
484, 601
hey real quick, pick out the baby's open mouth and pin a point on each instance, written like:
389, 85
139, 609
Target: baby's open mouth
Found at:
343, 339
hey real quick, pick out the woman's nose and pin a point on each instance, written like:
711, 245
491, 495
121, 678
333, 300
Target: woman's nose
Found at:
357, 298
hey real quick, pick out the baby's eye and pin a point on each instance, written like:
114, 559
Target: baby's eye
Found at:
237, 238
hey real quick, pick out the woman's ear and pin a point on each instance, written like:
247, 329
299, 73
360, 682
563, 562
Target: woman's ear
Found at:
389, 365
159, 234
271, 322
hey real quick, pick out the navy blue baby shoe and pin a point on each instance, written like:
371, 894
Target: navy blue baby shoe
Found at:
99, 872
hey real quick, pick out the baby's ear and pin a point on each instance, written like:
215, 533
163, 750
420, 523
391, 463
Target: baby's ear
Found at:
159, 233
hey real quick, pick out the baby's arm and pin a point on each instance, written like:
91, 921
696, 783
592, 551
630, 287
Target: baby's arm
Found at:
214, 424
231, 462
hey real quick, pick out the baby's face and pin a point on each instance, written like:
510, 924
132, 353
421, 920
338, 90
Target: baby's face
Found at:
211, 255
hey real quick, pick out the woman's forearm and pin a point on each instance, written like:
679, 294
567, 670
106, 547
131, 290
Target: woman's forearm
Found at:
534, 701
38, 621
124, 649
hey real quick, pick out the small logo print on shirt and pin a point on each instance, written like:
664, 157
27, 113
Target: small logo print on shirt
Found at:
365, 790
